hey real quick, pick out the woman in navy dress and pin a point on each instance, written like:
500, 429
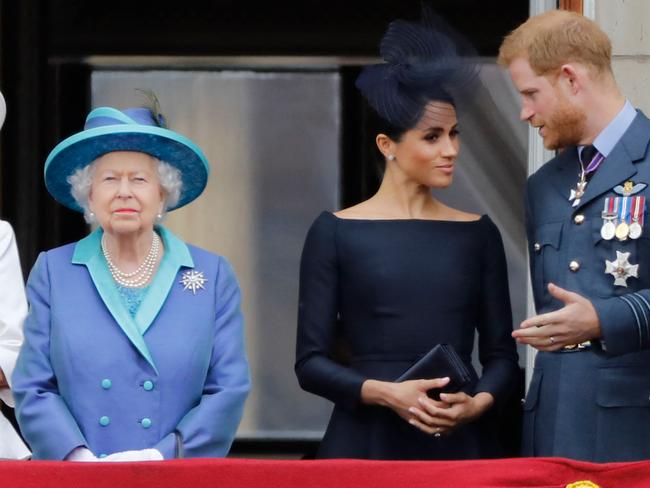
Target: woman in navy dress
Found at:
401, 272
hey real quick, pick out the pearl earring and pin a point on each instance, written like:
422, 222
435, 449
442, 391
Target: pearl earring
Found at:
159, 217
391, 157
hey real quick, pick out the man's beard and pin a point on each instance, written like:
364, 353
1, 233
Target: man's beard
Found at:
565, 126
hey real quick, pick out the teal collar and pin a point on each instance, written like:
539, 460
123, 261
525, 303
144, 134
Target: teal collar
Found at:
88, 252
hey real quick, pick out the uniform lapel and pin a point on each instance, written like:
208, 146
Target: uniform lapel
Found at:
564, 173
88, 252
619, 165
176, 255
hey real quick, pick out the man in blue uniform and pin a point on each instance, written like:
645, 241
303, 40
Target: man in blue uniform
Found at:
589, 247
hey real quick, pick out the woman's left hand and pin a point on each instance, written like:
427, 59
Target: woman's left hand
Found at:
460, 408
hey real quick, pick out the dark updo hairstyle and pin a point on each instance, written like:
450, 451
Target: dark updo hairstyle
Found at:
423, 61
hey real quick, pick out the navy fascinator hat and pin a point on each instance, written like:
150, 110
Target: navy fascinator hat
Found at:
423, 61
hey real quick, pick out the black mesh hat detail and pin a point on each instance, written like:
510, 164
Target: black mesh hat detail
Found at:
424, 61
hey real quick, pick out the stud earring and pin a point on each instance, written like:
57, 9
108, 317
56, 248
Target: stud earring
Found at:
391, 157
159, 217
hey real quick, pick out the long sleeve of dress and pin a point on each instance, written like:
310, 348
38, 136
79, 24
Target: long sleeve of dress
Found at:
497, 349
318, 307
13, 307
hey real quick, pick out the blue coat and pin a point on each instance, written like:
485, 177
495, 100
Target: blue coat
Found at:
90, 374
595, 404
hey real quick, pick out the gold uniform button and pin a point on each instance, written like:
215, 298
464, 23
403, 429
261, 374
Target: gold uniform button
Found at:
537, 246
574, 266
579, 219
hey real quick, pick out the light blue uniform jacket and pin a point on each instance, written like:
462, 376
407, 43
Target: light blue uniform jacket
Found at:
91, 375
592, 405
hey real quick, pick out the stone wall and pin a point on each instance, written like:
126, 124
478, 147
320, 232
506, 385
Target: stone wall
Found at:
627, 22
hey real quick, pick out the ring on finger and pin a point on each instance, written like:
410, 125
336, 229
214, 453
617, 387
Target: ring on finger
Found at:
552, 339
437, 433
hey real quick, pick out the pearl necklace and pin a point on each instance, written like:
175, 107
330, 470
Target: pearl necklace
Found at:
142, 274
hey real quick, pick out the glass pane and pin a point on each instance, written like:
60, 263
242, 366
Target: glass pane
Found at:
272, 140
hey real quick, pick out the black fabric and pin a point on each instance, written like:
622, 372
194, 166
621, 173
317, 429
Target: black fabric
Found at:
179, 448
391, 290
588, 153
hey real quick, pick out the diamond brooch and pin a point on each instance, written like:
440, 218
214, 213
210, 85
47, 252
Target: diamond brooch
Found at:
193, 280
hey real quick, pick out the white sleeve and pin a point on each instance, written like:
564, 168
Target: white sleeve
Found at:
13, 306
11, 445
81, 455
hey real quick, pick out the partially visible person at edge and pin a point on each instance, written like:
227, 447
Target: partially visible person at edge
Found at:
134, 346
13, 308
403, 272
588, 246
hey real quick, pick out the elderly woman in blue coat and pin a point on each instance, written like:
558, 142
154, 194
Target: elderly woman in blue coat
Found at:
134, 341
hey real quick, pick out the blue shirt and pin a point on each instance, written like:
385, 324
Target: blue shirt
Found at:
610, 135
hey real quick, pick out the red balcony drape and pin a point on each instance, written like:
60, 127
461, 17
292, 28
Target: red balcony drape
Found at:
250, 473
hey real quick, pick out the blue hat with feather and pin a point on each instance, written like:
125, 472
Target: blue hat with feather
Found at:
133, 129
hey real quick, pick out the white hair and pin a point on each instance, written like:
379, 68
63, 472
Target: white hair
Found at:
81, 181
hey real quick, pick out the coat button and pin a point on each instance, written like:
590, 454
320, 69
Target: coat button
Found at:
537, 246
104, 421
579, 219
147, 385
106, 384
574, 266
145, 422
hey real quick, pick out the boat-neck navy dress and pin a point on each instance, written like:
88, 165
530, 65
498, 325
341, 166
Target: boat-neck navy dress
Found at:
387, 291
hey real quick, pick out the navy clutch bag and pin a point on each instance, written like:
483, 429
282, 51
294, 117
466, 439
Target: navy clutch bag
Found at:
441, 361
